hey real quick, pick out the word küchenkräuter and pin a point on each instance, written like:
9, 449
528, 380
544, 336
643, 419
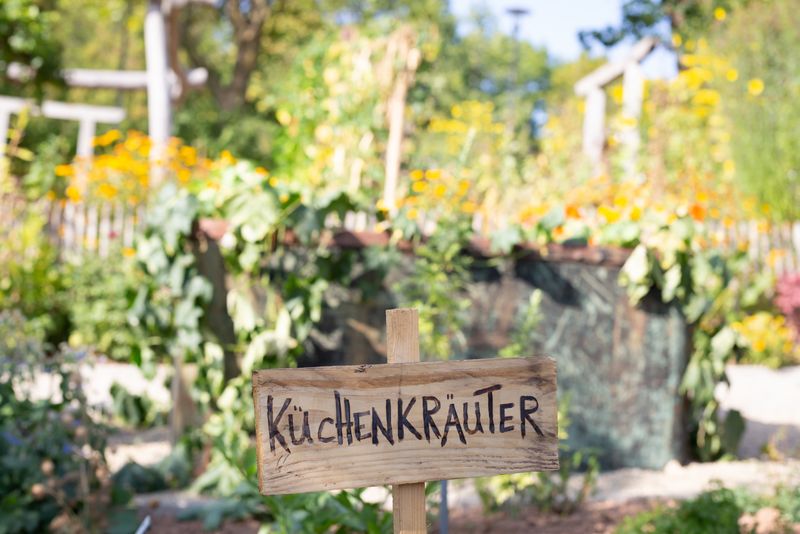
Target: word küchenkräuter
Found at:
391, 422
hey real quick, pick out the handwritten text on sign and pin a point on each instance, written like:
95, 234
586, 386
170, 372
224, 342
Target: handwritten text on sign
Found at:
355, 426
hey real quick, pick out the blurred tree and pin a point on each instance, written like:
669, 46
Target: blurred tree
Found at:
26, 37
478, 65
660, 18
759, 92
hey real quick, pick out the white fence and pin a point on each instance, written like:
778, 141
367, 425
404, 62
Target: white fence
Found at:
102, 228
76, 227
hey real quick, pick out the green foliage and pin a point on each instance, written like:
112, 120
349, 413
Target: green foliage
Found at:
26, 31
764, 140
52, 466
275, 297
167, 308
714, 511
547, 491
28, 280
436, 287
138, 411
524, 334
480, 64
714, 289
100, 293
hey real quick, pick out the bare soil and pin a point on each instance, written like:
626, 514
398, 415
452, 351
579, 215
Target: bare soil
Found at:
593, 518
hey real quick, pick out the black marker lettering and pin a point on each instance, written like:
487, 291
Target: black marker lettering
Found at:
306, 432
503, 417
452, 420
402, 419
272, 424
338, 416
489, 390
319, 431
378, 425
525, 414
358, 425
427, 419
348, 421
478, 425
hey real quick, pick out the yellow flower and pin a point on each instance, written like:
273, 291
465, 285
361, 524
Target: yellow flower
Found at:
107, 191
706, 97
728, 166
419, 187
433, 174
283, 197
64, 170
284, 117
380, 205
616, 93
73, 194
107, 138
774, 255
720, 14
273, 182
609, 214
755, 86
417, 174
732, 75
412, 213
636, 213
677, 40
759, 345
439, 191
128, 252
188, 154
469, 207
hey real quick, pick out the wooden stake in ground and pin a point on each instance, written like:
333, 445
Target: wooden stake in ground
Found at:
403, 423
402, 346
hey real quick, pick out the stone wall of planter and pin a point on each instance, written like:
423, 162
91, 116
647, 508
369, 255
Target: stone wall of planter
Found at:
619, 365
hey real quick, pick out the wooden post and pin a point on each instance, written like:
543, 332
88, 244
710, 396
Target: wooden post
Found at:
402, 346
632, 95
159, 117
594, 134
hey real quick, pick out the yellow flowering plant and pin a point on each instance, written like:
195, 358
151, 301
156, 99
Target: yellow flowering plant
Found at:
767, 339
122, 170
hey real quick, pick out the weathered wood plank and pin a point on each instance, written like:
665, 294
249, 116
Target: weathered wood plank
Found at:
402, 346
354, 426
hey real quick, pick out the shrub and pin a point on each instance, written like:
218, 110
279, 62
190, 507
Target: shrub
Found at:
53, 473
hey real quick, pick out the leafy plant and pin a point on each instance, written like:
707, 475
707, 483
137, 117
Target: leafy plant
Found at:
524, 334
53, 473
715, 511
137, 411
30, 278
546, 491
99, 294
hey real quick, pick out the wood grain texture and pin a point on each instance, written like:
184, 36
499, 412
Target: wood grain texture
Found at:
351, 457
402, 346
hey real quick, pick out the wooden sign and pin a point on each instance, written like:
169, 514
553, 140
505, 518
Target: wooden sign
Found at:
330, 428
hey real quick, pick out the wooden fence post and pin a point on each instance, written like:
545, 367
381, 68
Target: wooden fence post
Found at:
402, 346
